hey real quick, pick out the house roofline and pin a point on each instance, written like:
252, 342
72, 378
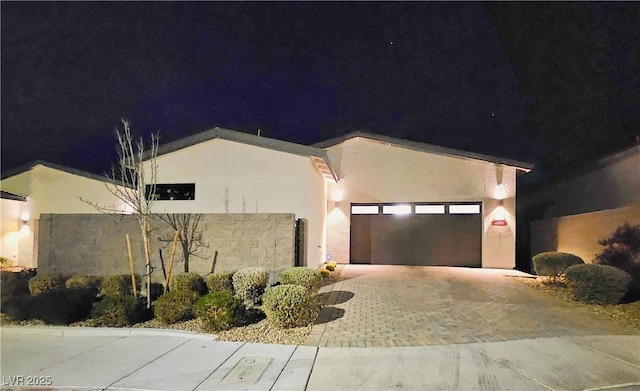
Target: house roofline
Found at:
69, 170
423, 147
245, 138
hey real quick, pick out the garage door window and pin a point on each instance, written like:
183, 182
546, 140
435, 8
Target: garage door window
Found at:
429, 209
396, 209
464, 209
365, 209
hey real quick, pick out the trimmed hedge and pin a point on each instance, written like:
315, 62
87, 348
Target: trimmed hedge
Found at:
217, 309
61, 305
553, 263
601, 284
44, 282
82, 281
303, 276
118, 311
249, 284
220, 281
192, 282
175, 306
288, 305
119, 284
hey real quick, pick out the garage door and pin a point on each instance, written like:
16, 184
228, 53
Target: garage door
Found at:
425, 234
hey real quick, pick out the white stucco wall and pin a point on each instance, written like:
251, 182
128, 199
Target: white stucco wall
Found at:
371, 171
48, 190
255, 179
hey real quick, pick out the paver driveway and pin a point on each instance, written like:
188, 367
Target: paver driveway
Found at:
379, 306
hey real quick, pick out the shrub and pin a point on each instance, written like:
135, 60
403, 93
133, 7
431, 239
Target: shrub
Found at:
325, 273
217, 309
13, 285
331, 266
188, 282
62, 305
302, 276
554, 263
288, 305
82, 281
249, 284
602, 284
44, 282
119, 284
5, 261
118, 311
220, 281
175, 306
622, 250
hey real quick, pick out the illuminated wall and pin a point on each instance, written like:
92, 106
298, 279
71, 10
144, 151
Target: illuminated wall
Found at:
375, 172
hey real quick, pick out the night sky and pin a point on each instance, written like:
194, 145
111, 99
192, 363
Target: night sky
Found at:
301, 72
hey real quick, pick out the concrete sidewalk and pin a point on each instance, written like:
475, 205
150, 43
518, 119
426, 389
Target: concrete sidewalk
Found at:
142, 359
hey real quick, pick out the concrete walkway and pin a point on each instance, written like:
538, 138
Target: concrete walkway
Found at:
45, 358
388, 306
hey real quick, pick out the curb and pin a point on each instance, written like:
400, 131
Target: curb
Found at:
53, 331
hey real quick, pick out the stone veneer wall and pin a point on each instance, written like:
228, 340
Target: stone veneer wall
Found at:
96, 244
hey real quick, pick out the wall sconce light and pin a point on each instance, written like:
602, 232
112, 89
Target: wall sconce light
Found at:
337, 194
24, 222
499, 215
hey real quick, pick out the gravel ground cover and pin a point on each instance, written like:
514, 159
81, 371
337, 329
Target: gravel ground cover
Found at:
627, 313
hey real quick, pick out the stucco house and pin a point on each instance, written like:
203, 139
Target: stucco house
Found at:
572, 214
41, 188
363, 198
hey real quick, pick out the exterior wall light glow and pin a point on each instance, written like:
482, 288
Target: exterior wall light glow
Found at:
499, 215
337, 194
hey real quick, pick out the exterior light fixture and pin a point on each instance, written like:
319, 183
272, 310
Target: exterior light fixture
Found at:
500, 215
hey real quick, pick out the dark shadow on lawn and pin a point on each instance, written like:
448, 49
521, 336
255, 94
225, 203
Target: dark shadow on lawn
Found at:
329, 314
334, 297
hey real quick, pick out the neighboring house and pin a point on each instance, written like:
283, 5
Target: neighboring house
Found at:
574, 213
43, 188
364, 198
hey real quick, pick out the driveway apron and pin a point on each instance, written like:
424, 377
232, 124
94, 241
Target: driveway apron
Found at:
385, 306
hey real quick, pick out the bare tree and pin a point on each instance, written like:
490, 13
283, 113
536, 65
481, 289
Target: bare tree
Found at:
190, 233
130, 182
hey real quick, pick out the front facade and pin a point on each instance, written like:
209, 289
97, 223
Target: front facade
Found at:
232, 172
41, 188
401, 202
364, 198
360, 198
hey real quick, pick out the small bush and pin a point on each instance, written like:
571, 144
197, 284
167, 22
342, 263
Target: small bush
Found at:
601, 284
249, 284
302, 276
175, 306
13, 285
331, 266
17, 307
554, 263
325, 273
288, 306
62, 305
220, 281
119, 284
217, 309
82, 281
118, 311
622, 250
188, 282
5, 261
44, 282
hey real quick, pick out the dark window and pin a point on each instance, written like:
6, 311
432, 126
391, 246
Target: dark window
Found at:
172, 191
